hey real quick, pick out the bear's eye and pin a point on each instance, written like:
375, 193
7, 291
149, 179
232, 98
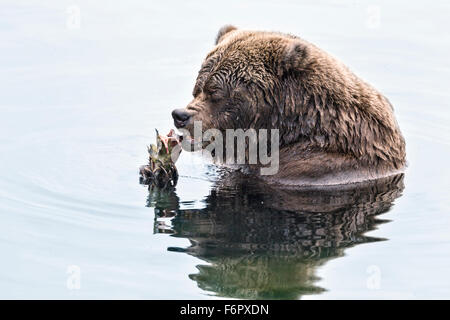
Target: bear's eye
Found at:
215, 94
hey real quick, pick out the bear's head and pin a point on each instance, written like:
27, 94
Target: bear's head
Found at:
241, 83
269, 80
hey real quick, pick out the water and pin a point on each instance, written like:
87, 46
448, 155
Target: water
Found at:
79, 105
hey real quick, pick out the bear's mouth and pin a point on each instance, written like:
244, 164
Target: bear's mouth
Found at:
186, 141
170, 140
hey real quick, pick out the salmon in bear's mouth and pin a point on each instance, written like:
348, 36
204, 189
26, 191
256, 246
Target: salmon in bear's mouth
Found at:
171, 139
184, 138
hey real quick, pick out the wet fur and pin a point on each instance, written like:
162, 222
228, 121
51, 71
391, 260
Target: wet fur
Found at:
334, 127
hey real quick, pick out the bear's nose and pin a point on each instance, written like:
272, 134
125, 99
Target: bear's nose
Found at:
180, 117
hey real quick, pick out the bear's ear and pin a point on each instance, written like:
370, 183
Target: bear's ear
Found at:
223, 31
295, 57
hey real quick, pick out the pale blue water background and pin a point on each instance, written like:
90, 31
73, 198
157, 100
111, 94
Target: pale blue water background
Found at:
78, 107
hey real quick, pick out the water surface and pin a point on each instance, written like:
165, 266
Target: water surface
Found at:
79, 105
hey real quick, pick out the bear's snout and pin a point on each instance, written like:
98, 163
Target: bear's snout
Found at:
180, 118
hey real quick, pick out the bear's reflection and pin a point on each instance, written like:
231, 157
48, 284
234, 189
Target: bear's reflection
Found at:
261, 242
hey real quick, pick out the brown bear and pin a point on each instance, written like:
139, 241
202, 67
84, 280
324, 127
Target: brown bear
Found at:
334, 128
